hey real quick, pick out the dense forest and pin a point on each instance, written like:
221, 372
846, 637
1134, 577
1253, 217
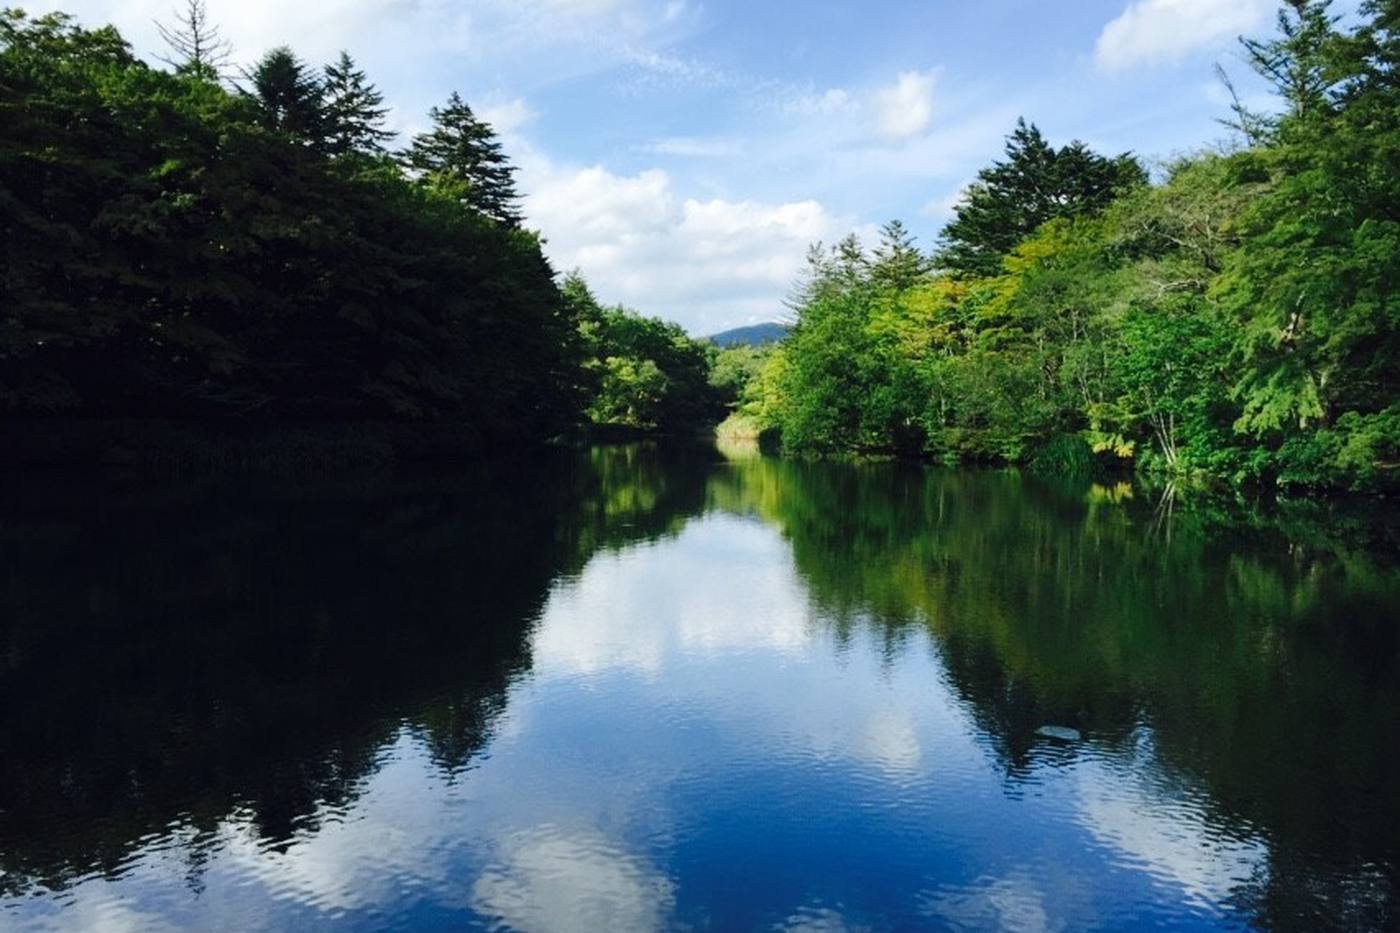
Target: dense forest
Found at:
216, 244
212, 244
1238, 319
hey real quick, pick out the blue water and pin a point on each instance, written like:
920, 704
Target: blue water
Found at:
735, 696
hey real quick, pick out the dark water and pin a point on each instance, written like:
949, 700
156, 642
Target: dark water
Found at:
636, 690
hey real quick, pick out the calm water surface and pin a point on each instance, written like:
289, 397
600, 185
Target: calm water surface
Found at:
637, 690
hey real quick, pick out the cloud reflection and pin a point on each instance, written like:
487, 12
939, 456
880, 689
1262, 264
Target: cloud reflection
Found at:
1166, 830
1013, 903
731, 589
546, 880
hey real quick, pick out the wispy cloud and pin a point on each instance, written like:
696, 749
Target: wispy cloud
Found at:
1151, 32
810, 103
653, 69
941, 209
695, 147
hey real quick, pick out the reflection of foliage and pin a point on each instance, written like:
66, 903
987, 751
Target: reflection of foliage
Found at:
180, 652
1258, 646
636, 492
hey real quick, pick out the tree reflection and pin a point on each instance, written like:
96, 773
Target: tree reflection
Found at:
1255, 650
176, 652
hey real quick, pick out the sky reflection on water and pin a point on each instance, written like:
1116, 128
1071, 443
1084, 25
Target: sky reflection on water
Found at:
712, 729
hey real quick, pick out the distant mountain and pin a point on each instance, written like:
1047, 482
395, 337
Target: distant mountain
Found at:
755, 335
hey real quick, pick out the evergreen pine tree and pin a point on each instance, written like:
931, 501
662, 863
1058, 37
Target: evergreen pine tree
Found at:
462, 151
354, 110
848, 262
898, 264
1034, 184
290, 96
1296, 61
814, 278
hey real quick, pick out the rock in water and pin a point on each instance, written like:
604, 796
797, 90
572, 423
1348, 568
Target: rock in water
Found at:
1063, 733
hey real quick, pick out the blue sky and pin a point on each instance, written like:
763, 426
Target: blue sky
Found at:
683, 153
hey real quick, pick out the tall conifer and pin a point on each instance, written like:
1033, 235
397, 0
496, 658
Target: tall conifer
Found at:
461, 150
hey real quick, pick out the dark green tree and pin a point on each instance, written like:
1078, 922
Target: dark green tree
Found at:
354, 111
163, 255
1034, 183
461, 156
290, 97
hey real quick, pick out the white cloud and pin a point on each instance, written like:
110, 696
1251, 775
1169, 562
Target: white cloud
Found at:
695, 147
1178, 845
815, 919
604, 623
92, 907
892, 741
706, 263
1155, 31
655, 69
508, 117
905, 109
832, 100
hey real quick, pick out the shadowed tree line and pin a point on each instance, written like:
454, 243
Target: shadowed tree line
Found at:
212, 244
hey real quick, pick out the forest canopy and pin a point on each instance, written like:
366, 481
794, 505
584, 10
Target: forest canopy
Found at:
1237, 319
210, 243
214, 243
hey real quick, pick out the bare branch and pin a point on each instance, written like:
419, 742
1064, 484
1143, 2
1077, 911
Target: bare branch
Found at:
196, 45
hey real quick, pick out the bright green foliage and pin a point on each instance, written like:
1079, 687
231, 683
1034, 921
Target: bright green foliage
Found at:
736, 372
630, 392
1240, 319
827, 384
170, 249
461, 157
1311, 291
642, 372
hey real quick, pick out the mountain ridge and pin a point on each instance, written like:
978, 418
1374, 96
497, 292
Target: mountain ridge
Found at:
753, 335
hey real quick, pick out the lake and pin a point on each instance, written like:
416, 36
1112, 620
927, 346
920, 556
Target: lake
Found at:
637, 688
